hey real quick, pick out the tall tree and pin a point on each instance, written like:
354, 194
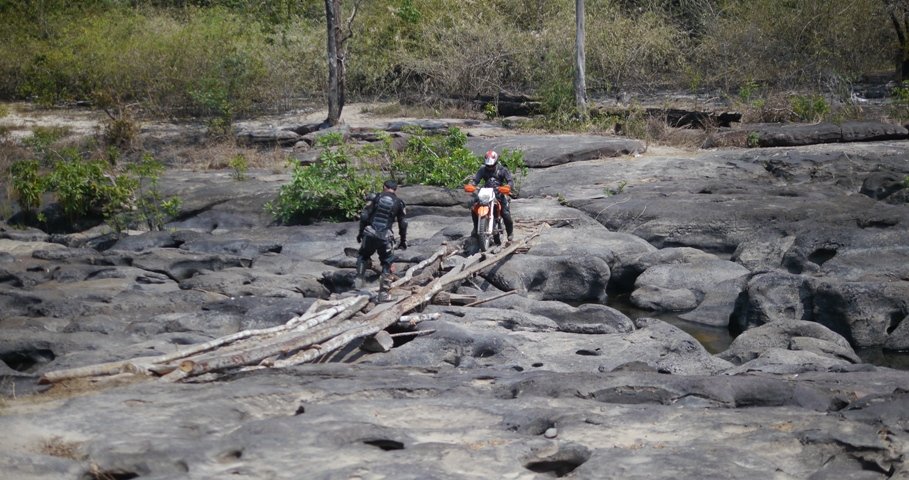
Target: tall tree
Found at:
580, 80
899, 17
337, 52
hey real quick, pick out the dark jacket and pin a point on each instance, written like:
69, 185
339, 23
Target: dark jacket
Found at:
494, 178
386, 209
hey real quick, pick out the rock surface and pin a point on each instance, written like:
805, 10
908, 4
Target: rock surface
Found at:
794, 247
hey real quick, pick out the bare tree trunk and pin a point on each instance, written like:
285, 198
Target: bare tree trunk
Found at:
332, 13
899, 17
580, 81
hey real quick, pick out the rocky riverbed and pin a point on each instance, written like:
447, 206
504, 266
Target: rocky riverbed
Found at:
801, 250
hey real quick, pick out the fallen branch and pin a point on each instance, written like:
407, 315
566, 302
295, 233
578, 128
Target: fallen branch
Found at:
415, 333
494, 297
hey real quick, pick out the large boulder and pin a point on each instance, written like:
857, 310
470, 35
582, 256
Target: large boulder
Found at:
684, 284
789, 335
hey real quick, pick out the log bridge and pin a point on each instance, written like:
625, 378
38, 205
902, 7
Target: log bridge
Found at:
327, 326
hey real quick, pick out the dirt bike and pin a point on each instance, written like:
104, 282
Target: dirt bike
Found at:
488, 208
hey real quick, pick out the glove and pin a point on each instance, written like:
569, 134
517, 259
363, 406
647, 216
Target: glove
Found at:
403, 244
360, 237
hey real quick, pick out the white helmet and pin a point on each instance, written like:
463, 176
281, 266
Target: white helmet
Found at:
491, 158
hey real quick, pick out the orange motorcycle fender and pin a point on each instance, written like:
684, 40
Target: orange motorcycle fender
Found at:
482, 210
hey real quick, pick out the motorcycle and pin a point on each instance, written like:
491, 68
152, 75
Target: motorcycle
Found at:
488, 209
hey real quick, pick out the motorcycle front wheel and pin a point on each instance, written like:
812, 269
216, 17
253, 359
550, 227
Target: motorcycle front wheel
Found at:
484, 237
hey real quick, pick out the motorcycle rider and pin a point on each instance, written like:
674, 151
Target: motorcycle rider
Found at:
375, 233
494, 174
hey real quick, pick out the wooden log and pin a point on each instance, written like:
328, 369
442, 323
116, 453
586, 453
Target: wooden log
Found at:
445, 251
413, 320
320, 311
101, 369
379, 343
299, 323
257, 353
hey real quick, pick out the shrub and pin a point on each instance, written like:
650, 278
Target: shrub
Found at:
43, 138
85, 188
27, 183
149, 208
239, 165
333, 188
121, 133
329, 139
94, 189
810, 108
441, 160
900, 106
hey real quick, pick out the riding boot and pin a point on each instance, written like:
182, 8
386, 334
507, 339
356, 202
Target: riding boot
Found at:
509, 227
361, 273
361, 267
383, 295
476, 219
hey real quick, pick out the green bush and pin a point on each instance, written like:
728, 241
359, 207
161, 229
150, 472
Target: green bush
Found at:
149, 208
240, 166
94, 189
900, 107
810, 108
27, 183
43, 138
333, 188
441, 160
86, 188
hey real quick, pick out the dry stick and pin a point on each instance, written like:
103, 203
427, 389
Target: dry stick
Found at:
494, 297
377, 320
147, 364
415, 333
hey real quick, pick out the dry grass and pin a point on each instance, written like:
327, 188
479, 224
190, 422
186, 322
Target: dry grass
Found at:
658, 131
218, 155
428, 109
57, 447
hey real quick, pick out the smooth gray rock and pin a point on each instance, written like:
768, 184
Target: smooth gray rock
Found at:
791, 335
